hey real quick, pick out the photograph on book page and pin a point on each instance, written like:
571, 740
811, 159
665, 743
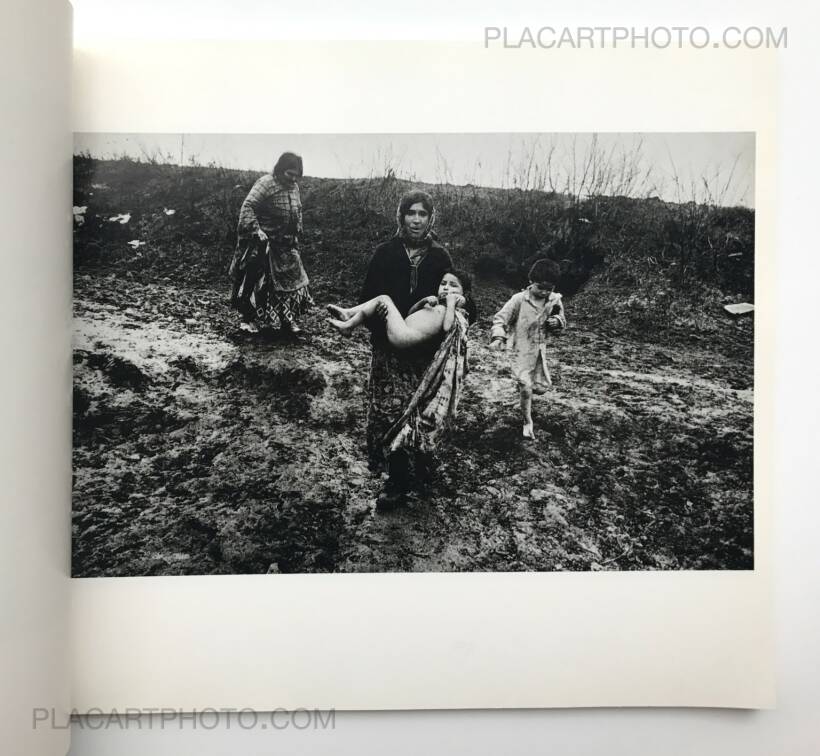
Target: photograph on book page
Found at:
477, 352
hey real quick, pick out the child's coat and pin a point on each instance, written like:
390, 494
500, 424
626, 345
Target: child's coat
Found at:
522, 322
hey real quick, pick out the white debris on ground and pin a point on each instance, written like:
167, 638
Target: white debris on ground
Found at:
744, 308
136, 244
168, 211
79, 214
121, 218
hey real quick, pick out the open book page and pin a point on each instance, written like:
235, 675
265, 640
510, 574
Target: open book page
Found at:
35, 238
151, 630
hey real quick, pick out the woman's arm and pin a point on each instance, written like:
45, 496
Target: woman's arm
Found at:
248, 220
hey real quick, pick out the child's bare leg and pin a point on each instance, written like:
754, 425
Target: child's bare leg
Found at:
349, 323
347, 318
398, 333
358, 312
525, 395
338, 313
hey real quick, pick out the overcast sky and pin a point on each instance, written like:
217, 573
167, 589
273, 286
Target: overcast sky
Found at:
716, 167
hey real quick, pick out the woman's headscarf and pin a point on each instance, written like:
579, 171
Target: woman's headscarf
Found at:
405, 203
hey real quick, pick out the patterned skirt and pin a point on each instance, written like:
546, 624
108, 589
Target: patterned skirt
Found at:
257, 294
275, 307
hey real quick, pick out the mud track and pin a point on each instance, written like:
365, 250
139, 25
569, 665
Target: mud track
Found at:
198, 451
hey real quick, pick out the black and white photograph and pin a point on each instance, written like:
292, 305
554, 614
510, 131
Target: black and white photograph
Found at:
361, 353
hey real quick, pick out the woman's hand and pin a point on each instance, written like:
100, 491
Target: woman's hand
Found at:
381, 310
457, 300
262, 235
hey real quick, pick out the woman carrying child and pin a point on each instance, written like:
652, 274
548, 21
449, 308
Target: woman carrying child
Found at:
408, 269
524, 323
427, 318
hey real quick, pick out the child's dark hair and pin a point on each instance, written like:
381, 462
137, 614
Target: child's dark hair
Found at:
464, 278
466, 281
545, 271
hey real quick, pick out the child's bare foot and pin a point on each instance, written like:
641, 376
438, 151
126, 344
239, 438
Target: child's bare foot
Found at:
340, 325
339, 313
529, 433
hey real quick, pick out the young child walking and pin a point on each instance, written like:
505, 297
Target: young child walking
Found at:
426, 319
523, 323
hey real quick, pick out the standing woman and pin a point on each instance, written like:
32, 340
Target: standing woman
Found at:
270, 286
407, 268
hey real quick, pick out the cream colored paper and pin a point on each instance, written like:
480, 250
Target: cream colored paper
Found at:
35, 384
437, 640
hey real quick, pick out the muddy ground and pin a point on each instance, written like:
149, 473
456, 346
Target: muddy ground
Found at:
198, 450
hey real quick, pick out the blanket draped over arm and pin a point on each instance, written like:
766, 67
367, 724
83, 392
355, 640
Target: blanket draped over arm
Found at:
433, 406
